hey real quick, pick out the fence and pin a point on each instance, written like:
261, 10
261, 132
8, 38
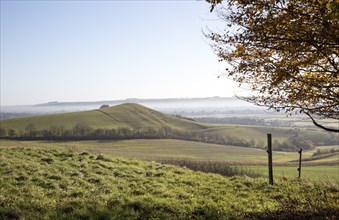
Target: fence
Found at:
270, 160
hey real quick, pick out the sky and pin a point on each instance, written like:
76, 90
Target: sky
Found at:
108, 50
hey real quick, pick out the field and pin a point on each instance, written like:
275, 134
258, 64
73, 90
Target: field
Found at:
176, 150
295, 121
315, 173
67, 184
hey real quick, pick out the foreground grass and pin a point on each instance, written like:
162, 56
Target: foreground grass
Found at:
61, 184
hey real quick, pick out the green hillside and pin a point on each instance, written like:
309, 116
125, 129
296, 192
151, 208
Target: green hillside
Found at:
132, 116
54, 184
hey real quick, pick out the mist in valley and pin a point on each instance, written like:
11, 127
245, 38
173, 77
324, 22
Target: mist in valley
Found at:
186, 106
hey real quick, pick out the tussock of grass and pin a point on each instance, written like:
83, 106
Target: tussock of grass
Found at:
53, 184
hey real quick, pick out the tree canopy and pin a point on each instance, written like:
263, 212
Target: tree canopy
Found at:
285, 51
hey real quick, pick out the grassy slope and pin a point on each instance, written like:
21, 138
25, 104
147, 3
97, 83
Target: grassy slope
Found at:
258, 133
71, 185
132, 116
157, 149
249, 132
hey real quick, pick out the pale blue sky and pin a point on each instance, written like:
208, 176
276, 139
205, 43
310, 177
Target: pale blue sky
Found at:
107, 50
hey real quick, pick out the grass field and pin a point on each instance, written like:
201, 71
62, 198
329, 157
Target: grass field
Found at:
163, 149
66, 184
316, 173
300, 121
160, 150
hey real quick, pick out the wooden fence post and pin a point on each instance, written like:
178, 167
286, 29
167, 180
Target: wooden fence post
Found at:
299, 169
270, 164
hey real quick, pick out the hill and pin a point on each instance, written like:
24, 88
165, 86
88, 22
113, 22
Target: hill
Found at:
54, 184
131, 116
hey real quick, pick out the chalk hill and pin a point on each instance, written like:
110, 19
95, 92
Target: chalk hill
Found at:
132, 116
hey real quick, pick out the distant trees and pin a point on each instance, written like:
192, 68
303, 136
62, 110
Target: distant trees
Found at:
3, 132
293, 144
56, 130
31, 130
82, 129
285, 52
325, 151
12, 132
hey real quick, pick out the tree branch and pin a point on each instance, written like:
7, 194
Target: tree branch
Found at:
321, 126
